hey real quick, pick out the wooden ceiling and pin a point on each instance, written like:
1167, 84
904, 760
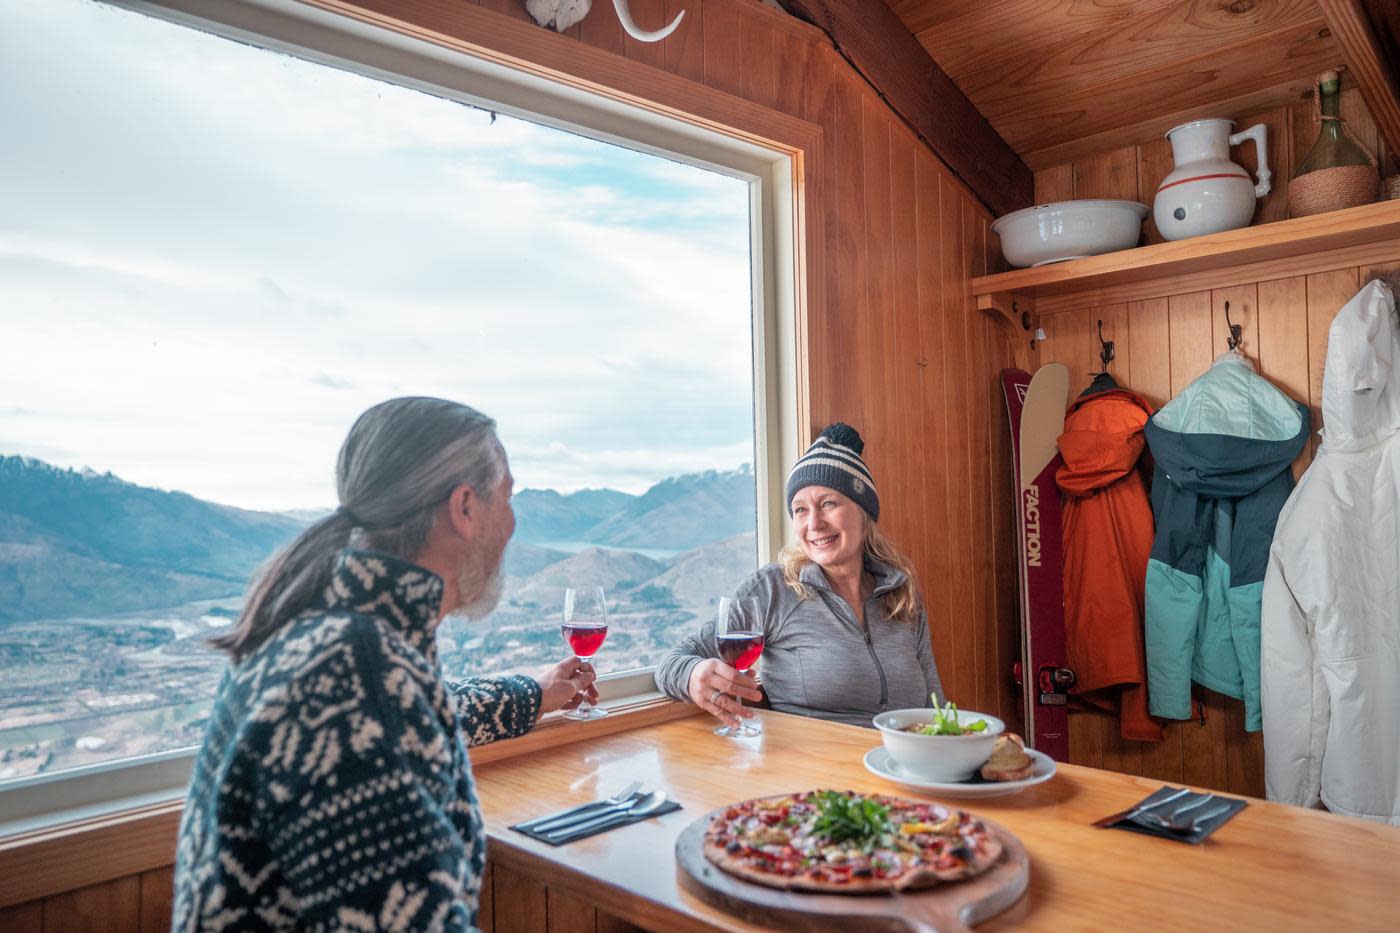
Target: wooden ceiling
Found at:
1061, 78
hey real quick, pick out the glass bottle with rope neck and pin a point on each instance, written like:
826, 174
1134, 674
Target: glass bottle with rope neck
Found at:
1333, 146
1338, 171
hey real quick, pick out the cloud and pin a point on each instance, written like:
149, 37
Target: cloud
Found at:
331, 382
255, 219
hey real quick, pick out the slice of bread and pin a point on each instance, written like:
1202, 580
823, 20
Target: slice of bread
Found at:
1009, 761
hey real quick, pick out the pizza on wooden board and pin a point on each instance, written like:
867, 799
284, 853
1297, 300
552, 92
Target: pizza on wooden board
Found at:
839, 842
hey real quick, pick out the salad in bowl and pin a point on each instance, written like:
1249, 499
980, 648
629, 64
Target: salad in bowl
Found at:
942, 744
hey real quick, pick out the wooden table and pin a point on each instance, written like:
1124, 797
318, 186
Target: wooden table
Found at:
1272, 867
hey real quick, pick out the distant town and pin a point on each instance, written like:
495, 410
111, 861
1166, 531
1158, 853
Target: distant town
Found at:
103, 625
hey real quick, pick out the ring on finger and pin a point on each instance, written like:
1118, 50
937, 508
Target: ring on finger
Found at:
714, 697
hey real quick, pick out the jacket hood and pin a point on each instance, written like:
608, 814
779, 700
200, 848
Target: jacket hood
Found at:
1361, 382
1227, 433
1103, 440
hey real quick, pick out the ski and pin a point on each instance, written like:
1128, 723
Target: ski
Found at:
1035, 407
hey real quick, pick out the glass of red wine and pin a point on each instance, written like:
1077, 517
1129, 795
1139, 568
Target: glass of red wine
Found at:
585, 628
739, 636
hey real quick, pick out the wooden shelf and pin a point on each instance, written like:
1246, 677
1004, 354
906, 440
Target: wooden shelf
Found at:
1250, 246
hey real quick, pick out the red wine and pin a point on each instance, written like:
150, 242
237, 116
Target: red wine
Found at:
740, 649
585, 638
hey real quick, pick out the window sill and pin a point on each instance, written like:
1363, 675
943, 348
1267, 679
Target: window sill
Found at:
77, 847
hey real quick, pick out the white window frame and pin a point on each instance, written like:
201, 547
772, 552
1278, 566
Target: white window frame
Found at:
342, 42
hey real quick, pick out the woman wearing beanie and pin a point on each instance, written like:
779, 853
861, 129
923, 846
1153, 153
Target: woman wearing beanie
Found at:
845, 631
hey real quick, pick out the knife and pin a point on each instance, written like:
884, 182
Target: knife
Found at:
583, 815
1146, 805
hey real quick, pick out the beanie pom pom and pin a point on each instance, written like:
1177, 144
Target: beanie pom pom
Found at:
845, 435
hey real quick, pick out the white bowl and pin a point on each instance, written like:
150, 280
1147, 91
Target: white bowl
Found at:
944, 758
1069, 230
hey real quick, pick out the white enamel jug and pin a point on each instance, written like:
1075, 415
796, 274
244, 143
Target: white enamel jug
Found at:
1206, 192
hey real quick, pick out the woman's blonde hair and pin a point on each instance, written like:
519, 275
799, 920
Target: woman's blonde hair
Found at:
901, 604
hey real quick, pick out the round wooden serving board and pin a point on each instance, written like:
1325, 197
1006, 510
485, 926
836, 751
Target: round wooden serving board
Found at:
948, 908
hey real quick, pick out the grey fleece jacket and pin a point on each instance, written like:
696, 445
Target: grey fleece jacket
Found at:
817, 660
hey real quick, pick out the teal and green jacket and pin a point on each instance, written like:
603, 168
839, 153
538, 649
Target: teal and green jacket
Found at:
1223, 448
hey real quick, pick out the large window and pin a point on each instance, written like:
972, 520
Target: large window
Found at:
213, 256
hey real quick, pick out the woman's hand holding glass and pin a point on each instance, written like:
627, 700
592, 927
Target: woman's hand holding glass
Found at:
714, 685
739, 637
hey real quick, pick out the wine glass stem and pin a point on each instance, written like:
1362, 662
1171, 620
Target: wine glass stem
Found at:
583, 706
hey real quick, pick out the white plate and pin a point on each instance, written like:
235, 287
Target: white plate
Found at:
877, 762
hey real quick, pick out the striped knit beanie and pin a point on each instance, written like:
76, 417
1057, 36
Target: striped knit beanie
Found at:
834, 461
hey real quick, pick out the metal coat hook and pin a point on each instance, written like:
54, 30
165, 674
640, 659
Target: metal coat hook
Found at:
1234, 340
1106, 354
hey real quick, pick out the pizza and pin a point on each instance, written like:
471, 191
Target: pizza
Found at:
840, 842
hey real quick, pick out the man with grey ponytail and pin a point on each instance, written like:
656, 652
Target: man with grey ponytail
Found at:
333, 789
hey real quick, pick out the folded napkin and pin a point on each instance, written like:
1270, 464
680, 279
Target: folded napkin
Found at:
1219, 809
590, 828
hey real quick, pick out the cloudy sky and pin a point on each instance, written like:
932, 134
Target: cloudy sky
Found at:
213, 257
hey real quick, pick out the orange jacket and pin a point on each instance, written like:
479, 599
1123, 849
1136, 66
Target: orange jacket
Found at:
1108, 535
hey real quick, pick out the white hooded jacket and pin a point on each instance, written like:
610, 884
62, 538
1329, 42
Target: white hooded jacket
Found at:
1330, 628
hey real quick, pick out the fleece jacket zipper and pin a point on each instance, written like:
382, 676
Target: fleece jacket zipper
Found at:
845, 608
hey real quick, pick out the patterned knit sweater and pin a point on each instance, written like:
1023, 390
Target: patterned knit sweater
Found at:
333, 790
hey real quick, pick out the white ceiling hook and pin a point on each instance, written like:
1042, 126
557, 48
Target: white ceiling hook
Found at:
624, 16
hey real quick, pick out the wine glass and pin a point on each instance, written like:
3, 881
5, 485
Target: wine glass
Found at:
585, 628
739, 635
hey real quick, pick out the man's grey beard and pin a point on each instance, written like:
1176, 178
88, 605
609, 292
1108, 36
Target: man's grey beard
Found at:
479, 587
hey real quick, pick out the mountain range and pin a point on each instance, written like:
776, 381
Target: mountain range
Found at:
78, 542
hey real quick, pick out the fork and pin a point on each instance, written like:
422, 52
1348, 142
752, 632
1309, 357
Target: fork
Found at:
585, 810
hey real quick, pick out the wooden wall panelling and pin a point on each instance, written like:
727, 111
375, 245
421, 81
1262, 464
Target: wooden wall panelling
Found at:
684, 49
486, 901
789, 67
1154, 163
110, 907
23, 918
649, 14
759, 76
1054, 184
961, 679
1327, 292
933, 376
1150, 361
982, 379
1283, 343
1117, 328
874, 361
819, 106
1244, 302
849, 308
910, 365
520, 902
515, 9
1274, 205
568, 913
1001, 342
157, 899
1111, 174
723, 46
600, 28
607, 923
